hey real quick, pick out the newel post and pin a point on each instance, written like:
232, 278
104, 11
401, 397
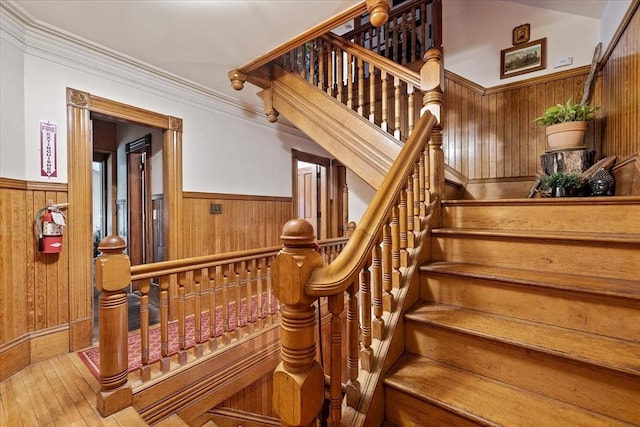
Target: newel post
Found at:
113, 275
298, 381
432, 82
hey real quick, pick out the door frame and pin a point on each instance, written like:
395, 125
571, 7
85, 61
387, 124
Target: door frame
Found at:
80, 105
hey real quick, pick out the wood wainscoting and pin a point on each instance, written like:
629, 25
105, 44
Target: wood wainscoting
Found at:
34, 301
244, 222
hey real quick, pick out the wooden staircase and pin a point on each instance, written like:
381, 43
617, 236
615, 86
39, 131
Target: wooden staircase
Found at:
529, 316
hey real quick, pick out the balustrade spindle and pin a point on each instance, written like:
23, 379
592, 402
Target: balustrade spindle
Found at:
165, 283
366, 353
423, 187
145, 369
384, 125
397, 107
261, 303
312, 62
410, 108
272, 311
360, 86
182, 354
349, 81
402, 214
213, 337
197, 308
353, 340
372, 93
410, 215
339, 74
387, 283
225, 307
330, 55
395, 248
249, 303
239, 282
336, 307
376, 287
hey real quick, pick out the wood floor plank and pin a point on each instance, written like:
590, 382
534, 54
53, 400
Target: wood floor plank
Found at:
57, 415
10, 415
78, 389
71, 414
27, 412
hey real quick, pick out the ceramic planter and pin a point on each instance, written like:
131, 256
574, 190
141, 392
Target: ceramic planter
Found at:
566, 136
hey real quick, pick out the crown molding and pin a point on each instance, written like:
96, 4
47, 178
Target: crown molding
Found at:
44, 41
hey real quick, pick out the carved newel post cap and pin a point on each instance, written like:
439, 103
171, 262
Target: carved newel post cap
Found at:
378, 12
298, 233
113, 244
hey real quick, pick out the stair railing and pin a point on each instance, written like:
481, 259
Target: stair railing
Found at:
381, 250
221, 299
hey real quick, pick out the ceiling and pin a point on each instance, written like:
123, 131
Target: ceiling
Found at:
202, 40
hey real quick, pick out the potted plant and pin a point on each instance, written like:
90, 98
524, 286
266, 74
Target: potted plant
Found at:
566, 124
564, 184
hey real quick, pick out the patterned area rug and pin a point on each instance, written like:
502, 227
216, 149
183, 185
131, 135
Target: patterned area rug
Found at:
91, 356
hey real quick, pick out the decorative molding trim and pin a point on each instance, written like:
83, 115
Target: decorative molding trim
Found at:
223, 196
19, 184
619, 32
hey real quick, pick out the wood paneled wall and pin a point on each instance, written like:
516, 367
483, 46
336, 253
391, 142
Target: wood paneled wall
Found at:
246, 222
34, 300
621, 89
491, 133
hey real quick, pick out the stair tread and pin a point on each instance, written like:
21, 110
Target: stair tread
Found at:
626, 238
475, 396
567, 281
612, 353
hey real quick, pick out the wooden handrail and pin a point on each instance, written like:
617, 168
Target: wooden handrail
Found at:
336, 276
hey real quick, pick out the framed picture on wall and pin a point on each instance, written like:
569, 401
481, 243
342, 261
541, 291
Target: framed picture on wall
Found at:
521, 34
523, 58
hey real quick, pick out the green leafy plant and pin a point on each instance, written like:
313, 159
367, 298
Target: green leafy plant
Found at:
569, 112
563, 179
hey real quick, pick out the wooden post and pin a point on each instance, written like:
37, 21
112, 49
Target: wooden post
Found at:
298, 381
113, 275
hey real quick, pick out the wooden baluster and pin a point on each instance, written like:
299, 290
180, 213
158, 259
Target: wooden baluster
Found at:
239, 283
298, 376
360, 87
213, 337
384, 125
422, 183
182, 354
145, 369
366, 353
339, 75
395, 54
113, 275
250, 319
411, 16
427, 178
410, 109
417, 204
402, 215
226, 333
336, 307
349, 66
410, 215
165, 284
376, 290
353, 345
271, 310
387, 283
312, 63
395, 248
330, 69
197, 313
372, 93
397, 108
321, 65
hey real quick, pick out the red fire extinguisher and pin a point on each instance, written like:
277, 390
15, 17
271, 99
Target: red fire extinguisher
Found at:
49, 228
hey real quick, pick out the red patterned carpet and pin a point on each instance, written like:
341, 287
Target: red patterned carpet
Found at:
91, 356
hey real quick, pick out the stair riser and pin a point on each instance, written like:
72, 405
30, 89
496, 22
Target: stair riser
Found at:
593, 388
403, 410
601, 315
581, 217
612, 260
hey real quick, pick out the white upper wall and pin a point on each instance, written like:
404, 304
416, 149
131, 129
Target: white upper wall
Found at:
474, 33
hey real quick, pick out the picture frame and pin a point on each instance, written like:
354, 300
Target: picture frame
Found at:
521, 34
523, 58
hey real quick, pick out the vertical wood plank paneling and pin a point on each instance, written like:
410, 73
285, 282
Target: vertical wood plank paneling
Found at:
620, 94
246, 222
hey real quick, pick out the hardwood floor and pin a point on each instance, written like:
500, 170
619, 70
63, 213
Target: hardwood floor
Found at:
57, 392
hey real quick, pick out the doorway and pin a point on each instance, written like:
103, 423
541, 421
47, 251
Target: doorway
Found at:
319, 192
80, 107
